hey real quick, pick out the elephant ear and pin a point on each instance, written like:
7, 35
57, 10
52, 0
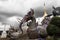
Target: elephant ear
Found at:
53, 7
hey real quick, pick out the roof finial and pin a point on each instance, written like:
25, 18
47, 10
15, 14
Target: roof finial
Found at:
45, 13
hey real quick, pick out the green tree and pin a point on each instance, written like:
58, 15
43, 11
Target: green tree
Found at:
53, 28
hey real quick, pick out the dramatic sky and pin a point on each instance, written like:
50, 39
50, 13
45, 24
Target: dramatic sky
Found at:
18, 8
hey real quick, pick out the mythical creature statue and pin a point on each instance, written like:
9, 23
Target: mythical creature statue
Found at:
32, 25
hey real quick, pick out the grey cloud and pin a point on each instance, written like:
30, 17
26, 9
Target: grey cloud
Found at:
2, 18
3, 0
40, 11
10, 14
5, 15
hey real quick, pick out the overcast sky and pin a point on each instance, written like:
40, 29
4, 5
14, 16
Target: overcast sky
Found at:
15, 8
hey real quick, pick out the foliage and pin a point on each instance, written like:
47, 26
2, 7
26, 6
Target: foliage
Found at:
54, 27
55, 21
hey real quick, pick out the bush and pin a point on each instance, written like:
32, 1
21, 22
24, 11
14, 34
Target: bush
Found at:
54, 27
55, 21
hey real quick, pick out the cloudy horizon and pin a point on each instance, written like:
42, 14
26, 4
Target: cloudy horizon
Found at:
19, 8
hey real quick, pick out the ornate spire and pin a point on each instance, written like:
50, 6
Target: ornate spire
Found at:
45, 13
